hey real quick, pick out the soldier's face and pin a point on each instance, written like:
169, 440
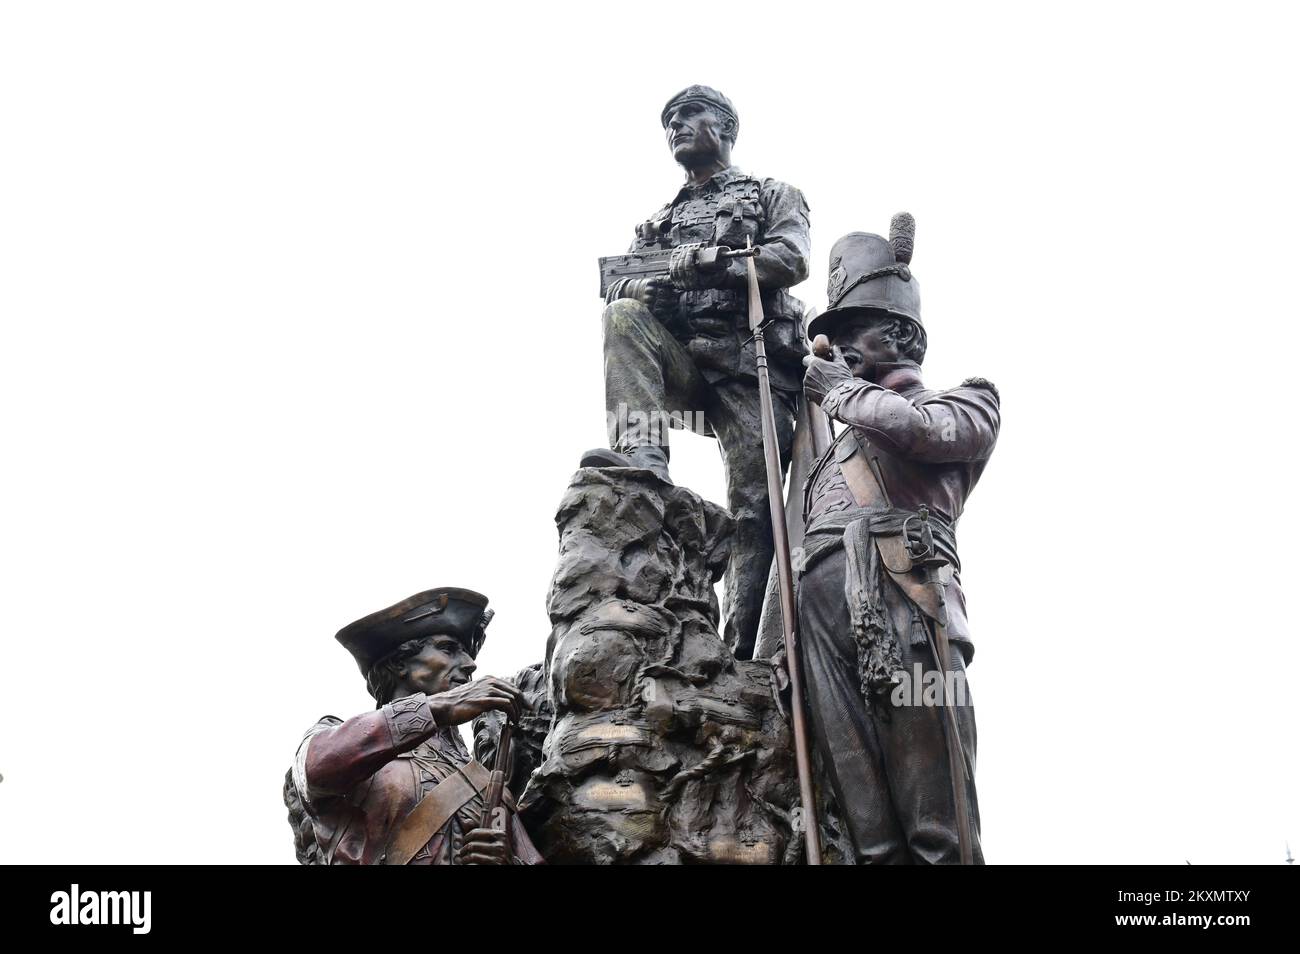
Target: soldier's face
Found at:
864, 348
694, 134
440, 665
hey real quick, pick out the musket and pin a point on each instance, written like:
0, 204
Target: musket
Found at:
785, 574
494, 812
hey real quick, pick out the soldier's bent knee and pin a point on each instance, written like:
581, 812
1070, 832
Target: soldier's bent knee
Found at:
625, 317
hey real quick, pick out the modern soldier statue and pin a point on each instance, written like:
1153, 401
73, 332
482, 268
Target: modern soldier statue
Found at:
681, 343
397, 786
880, 599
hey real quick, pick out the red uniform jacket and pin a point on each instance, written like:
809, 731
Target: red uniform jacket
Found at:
358, 779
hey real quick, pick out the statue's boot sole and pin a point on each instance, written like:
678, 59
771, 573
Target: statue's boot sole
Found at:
603, 457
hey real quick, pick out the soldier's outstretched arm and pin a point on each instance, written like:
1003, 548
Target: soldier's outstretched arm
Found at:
341, 757
957, 425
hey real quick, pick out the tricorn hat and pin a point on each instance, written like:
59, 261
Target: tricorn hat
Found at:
447, 609
872, 274
702, 94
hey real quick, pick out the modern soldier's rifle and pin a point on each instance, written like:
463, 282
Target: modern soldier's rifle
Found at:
637, 268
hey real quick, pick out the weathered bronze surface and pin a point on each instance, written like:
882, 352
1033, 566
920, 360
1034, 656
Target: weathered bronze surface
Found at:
533, 724
646, 735
682, 342
784, 575
881, 610
397, 785
665, 748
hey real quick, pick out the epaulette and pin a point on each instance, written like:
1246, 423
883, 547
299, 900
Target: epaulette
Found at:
982, 383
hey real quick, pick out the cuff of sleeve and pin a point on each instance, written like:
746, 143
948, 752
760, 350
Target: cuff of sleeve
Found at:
735, 276
836, 395
410, 720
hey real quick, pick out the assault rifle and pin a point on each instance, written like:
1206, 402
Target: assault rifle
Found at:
675, 264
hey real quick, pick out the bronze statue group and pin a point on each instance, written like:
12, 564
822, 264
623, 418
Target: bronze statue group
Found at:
882, 636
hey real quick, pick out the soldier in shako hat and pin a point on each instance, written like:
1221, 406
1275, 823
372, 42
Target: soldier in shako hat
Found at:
882, 617
397, 785
683, 346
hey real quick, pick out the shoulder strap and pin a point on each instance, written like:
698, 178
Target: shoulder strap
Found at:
862, 480
434, 810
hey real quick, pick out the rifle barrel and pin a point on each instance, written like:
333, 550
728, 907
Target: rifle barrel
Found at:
497, 786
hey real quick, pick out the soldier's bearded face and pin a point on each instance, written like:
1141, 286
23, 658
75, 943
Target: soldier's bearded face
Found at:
694, 134
440, 665
864, 347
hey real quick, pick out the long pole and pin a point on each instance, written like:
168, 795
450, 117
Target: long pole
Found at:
785, 575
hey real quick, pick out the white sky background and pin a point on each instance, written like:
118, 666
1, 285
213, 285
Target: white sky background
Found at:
300, 318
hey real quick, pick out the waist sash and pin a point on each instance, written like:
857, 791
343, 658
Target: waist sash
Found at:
875, 542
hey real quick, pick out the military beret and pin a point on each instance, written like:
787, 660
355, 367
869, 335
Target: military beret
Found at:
448, 609
702, 94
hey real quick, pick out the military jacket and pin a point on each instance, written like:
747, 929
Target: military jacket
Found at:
713, 322
359, 778
931, 448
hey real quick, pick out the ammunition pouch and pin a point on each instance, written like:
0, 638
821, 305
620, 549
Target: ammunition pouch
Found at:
739, 214
785, 338
720, 313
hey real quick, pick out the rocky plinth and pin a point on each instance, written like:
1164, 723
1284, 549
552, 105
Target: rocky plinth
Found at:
663, 749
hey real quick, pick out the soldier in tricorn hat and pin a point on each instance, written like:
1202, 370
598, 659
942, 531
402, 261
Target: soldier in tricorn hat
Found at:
683, 345
397, 785
882, 618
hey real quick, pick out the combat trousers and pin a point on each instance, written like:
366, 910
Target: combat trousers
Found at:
888, 765
648, 373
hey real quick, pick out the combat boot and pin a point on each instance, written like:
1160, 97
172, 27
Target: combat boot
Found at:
649, 457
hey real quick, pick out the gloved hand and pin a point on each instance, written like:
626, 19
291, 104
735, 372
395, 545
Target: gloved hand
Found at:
683, 267
823, 375
657, 294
